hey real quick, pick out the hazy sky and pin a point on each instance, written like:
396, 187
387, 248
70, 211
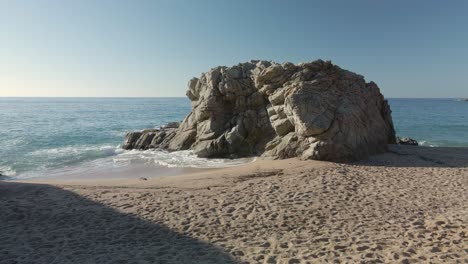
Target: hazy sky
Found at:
152, 48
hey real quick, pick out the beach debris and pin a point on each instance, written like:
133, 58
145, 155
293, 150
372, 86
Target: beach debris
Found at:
143, 179
314, 110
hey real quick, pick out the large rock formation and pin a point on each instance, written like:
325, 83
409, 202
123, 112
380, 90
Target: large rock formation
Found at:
312, 110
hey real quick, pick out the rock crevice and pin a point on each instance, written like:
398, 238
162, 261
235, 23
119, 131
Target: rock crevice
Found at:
312, 110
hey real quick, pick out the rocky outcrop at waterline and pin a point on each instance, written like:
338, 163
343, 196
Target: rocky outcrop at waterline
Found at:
312, 110
406, 141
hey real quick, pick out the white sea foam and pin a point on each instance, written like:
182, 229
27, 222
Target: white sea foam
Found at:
177, 159
118, 162
12, 143
427, 144
106, 150
7, 171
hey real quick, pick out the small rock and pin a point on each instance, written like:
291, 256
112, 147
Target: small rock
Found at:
143, 179
406, 141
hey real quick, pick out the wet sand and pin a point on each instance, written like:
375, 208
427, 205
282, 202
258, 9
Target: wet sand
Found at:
406, 206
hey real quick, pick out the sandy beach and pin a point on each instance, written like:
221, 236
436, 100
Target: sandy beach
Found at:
409, 205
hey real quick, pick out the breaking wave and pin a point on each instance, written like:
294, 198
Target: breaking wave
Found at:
177, 159
7, 171
74, 161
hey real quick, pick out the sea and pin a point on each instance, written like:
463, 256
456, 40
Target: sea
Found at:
81, 137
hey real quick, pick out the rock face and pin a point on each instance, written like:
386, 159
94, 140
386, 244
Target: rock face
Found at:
310, 110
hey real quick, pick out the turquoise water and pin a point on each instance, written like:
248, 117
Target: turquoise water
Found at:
432, 122
41, 136
46, 133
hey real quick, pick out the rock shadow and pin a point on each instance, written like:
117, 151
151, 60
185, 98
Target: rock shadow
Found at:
46, 224
417, 156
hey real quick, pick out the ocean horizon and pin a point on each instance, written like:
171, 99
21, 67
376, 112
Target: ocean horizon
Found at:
56, 136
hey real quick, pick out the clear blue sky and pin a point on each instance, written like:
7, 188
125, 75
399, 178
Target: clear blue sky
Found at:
152, 48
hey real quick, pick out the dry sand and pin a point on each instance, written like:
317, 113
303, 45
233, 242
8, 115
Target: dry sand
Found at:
406, 206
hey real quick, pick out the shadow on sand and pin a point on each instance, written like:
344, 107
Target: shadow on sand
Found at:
416, 156
46, 224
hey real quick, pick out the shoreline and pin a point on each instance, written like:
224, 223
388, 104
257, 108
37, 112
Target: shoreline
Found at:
134, 172
456, 156
146, 165
177, 175
406, 206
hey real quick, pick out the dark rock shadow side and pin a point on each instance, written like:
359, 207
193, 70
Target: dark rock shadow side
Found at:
46, 224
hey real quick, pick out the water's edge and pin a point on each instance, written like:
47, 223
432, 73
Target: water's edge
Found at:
53, 137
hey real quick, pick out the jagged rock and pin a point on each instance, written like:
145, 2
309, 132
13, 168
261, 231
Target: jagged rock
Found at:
312, 110
282, 126
150, 138
158, 139
145, 139
131, 139
406, 141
